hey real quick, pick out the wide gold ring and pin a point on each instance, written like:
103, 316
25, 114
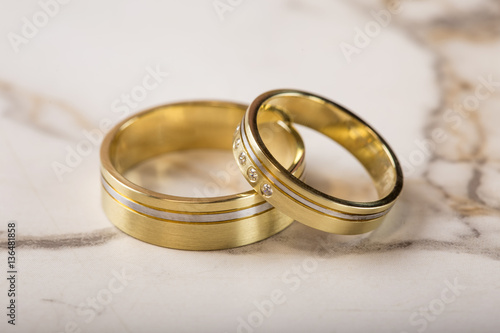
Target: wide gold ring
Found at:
292, 196
184, 222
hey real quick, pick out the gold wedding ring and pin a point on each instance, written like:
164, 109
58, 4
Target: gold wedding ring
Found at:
292, 196
183, 222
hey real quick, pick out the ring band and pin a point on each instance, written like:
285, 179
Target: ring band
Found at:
291, 195
183, 222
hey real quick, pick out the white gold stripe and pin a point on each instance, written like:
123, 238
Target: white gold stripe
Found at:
180, 217
308, 203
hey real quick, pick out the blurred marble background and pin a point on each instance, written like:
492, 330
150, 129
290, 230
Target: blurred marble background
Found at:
425, 74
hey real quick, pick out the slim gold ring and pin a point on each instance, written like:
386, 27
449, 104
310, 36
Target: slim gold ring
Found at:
292, 196
184, 222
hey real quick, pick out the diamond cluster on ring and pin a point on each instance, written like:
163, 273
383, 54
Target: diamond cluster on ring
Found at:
242, 158
237, 143
252, 174
266, 190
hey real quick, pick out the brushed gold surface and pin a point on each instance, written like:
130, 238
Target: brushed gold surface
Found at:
297, 199
178, 127
195, 235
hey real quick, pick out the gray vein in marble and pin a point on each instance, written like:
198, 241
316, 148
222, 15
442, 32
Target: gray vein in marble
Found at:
50, 300
28, 108
56, 242
473, 185
472, 26
479, 25
328, 249
336, 249
98, 312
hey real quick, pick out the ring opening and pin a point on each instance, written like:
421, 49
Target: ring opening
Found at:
145, 142
343, 127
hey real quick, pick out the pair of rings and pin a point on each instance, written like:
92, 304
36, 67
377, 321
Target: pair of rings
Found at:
270, 154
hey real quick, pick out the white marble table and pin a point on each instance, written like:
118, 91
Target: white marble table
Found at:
426, 75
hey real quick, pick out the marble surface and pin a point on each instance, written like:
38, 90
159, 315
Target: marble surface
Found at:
426, 75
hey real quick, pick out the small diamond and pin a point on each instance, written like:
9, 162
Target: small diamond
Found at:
242, 158
237, 130
237, 143
266, 190
252, 174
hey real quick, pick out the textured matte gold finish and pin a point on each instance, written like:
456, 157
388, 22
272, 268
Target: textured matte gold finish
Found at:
182, 222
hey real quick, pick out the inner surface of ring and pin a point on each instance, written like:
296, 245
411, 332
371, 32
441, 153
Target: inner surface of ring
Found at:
339, 125
197, 125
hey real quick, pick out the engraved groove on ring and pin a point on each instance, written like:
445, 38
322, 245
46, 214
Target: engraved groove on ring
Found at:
215, 217
302, 200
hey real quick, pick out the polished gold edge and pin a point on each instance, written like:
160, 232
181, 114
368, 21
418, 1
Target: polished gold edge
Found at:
179, 216
173, 203
193, 223
327, 213
183, 222
210, 207
194, 236
296, 196
255, 142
